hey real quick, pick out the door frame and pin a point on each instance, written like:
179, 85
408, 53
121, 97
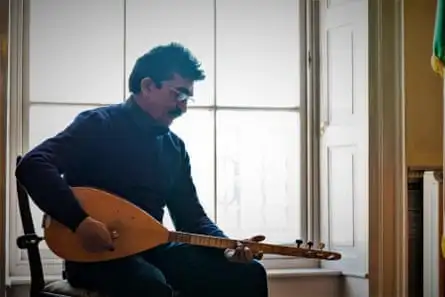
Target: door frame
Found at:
388, 232
4, 61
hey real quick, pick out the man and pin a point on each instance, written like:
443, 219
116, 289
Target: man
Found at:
127, 149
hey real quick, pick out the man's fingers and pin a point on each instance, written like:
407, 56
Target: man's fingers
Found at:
248, 255
239, 253
229, 253
243, 254
259, 255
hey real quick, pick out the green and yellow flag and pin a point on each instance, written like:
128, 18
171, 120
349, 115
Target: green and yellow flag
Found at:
438, 57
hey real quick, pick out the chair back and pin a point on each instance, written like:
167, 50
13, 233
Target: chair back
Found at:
30, 240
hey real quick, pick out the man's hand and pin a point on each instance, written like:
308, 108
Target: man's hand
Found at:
243, 254
94, 236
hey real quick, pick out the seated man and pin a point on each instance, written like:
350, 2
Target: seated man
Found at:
127, 149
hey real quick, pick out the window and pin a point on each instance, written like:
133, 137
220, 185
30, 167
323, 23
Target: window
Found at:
246, 130
243, 131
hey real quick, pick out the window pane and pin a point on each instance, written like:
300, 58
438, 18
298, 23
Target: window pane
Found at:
258, 174
76, 51
258, 51
46, 121
191, 22
196, 129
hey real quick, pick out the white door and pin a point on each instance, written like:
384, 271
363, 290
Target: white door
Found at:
344, 132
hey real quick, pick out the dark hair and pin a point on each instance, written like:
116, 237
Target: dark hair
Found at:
162, 62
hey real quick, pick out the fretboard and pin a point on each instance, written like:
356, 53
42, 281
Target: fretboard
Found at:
224, 243
202, 240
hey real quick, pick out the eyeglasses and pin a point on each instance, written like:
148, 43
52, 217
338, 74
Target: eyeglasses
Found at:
181, 96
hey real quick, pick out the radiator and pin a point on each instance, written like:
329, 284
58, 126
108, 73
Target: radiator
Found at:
433, 212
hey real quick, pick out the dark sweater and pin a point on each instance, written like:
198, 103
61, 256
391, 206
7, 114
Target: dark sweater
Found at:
119, 149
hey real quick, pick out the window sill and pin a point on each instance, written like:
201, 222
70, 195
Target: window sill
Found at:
302, 272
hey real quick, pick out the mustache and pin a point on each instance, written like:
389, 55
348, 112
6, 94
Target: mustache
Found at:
175, 112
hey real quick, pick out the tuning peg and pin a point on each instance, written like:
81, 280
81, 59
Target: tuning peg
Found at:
321, 246
299, 242
309, 244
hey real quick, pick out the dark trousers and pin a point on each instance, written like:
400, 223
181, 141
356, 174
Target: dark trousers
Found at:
193, 271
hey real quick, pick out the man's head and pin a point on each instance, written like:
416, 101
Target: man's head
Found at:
162, 81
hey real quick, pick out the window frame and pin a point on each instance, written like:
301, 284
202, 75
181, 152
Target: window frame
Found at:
18, 116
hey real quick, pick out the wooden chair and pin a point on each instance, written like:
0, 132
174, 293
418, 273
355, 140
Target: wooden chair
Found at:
30, 241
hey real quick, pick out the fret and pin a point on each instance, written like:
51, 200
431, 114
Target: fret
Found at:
202, 240
179, 237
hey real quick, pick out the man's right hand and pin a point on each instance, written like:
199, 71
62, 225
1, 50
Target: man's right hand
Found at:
94, 236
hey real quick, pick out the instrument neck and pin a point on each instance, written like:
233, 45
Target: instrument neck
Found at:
226, 243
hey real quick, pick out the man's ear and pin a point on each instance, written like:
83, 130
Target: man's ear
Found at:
147, 85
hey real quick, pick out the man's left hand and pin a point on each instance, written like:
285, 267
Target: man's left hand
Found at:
243, 254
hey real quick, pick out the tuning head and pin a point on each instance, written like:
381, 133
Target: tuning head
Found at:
308, 251
299, 242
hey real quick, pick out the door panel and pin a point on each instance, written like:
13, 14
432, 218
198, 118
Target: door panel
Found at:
344, 132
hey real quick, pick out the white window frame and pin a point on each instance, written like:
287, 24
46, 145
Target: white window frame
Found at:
17, 119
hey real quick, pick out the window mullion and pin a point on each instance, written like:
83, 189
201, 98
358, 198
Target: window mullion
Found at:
215, 143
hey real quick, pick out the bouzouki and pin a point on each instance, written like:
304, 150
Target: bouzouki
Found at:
138, 231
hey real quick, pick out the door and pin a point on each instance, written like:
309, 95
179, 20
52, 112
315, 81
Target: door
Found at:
344, 132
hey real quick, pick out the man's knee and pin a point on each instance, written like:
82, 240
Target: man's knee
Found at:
255, 273
250, 279
132, 277
147, 287
148, 280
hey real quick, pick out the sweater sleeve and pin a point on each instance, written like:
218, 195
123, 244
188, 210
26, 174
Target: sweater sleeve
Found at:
185, 208
40, 170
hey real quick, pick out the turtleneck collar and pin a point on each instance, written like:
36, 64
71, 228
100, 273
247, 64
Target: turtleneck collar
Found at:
142, 119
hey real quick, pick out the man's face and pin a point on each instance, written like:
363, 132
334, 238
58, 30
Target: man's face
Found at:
169, 101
